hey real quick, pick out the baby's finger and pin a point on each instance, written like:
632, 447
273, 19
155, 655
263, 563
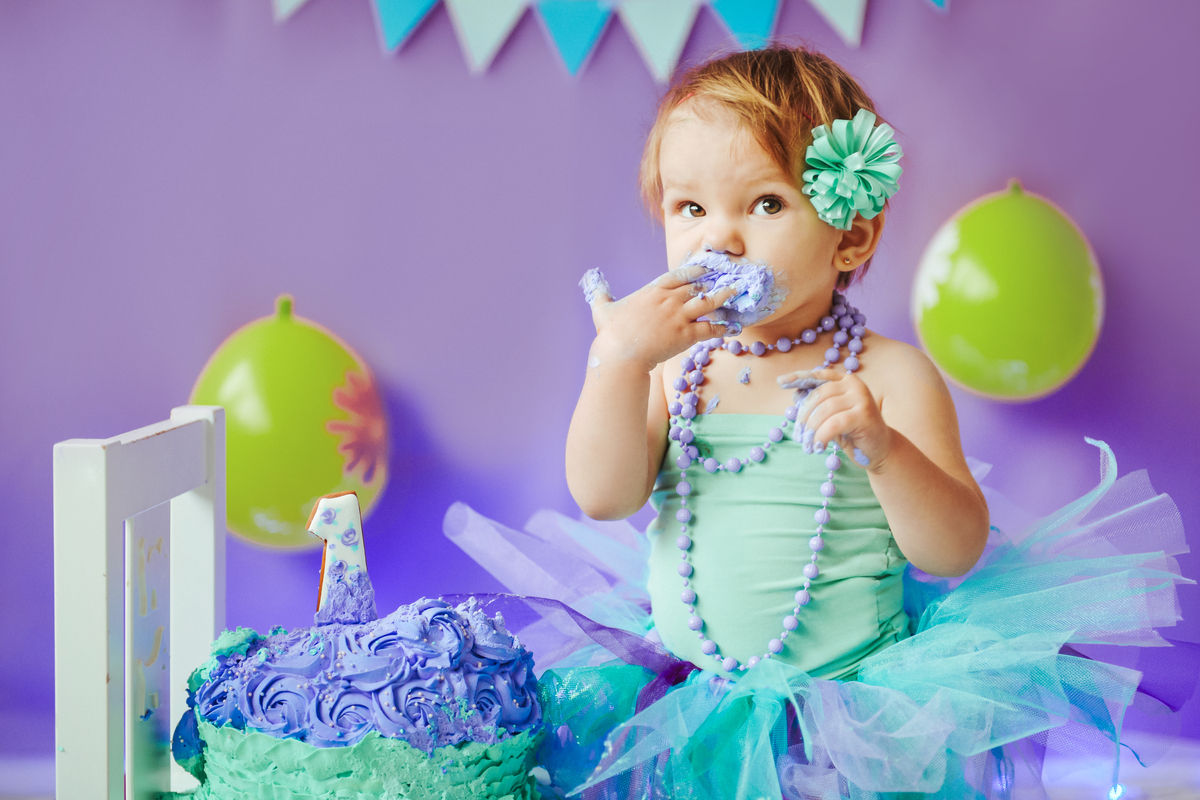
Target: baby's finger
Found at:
595, 286
843, 429
846, 442
703, 304
828, 374
827, 389
704, 329
804, 380
838, 429
602, 306
680, 276
818, 417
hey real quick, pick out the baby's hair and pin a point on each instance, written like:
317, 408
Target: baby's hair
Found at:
779, 94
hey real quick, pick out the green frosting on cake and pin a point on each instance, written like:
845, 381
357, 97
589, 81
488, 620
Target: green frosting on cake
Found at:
200, 675
237, 641
229, 642
254, 765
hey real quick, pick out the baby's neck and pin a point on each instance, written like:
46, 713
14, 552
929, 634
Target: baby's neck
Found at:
790, 325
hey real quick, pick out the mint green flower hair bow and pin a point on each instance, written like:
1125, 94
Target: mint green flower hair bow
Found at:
854, 169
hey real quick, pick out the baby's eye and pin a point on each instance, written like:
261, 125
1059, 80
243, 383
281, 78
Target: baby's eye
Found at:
768, 206
691, 210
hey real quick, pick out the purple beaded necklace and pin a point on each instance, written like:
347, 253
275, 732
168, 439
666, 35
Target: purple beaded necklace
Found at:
850, 327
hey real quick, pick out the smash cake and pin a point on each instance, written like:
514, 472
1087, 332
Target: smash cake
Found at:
430, 701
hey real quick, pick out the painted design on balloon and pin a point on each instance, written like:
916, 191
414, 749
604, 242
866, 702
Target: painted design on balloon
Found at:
363, 436
289, 385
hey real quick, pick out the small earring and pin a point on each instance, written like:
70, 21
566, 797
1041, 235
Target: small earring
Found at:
845, 260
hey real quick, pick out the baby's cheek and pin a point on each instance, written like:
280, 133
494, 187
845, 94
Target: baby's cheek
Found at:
679, 246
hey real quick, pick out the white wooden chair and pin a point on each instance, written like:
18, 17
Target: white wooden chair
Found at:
139, 595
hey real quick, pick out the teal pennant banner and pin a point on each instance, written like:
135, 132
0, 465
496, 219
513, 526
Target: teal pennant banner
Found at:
398, 19
283, 9
483, 26
750, 21
574, 27
844, 16
659, 28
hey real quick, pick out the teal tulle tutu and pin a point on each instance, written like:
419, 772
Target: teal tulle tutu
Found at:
993, 676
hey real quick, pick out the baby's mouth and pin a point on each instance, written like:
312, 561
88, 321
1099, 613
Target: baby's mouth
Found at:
756, 295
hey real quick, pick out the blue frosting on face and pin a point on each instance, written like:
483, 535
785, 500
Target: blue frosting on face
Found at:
429, 673
755, 295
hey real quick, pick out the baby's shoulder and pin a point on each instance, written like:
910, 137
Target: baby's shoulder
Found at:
895, 369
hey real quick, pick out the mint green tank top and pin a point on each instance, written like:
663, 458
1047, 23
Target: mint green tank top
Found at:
750, 541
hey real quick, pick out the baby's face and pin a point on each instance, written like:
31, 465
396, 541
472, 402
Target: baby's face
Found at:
723, 192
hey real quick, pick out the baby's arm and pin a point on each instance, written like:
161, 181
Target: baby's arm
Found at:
916, 465
618, 432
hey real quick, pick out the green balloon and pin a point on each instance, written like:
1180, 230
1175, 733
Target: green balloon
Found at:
1008, 299
303, 418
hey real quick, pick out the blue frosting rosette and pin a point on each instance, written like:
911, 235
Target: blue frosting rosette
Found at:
854, 169
430, 674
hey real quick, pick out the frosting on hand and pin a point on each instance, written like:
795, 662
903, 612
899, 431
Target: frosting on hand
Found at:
594, 285
755, 294
429, 674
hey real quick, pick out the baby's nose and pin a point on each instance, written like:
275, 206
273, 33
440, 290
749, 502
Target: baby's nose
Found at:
723, 235
728, 250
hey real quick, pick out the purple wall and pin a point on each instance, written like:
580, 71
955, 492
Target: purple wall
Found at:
167, 168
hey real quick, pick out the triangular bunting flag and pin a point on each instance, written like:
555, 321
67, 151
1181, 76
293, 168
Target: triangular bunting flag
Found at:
660, 29
483, 26
285, 8
750, 21
575, 26
941, 5
846, 17
398, 18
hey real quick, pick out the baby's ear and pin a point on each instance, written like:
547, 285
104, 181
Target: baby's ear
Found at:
858, 244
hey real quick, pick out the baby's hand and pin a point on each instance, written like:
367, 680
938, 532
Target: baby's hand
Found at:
840, 408
657, 321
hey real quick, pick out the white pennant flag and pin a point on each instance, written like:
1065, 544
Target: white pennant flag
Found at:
660, 29
483, 26
285, 8
846, 17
